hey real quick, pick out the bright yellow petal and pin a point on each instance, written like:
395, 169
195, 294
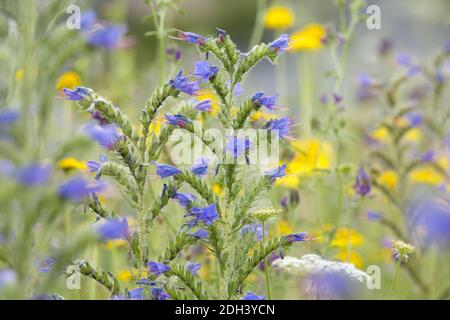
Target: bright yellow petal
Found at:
69, 80
279, 18
308, 39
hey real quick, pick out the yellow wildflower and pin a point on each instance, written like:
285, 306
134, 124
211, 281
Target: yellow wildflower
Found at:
389, 179
68, 79
20, 73
381, 134
70, 163
413, 135
426, 175
125, 275
312, 154
289, 181
208, 94
263, 116
308, 39
155, 126
351, 257
279, 18
111, 244
218, 190
283, 228
345, 237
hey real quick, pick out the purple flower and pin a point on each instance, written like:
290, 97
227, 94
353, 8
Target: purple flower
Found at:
296, 237
428, 156
78, 188
136, 294
177, 120
253, 229
7, 117
88, 20
159, 293
447, 46
200, 234
95, 166
414, 119
204, 71
280, 44
184, 199
157, 268
365, 80
191, 37
173, 53
207, 215
259, 99
237, 146
429, 221
77, 94
221, 35
200, 168
7, 277
97, 116
362, 184
107, 136
114, 229
238, 90
331, 285
385, 47
182, 83
407, 62
47, 264
276, 173
252, 296
33, 174
204, 105
281, 125
373, 215
270, 258
107, 37
193, 267
165, 170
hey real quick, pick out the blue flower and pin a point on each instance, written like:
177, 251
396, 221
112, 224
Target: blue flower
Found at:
237, 146
204, 71
182, 83
107, 135
259, 99
107, 37
207, 215
193, 267
221, 35
280, 44
204, 105
191, 37
414, 119
365, 80
47, 264
428, 156
114, 229
88, 20
329, 285
276, 173
8, 117
159, 293
136, 294
252, 296
296, 237
7, 277
95, 166
157, 268
363, 184
78, 189
373, 215
282, 125
253, 229
165, 170
184, 199
34, 174
200, 234
77, 94
173, 53
177, 120
238, 90
200, 168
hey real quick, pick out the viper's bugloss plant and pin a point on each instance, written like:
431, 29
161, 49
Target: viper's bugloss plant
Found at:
216, 222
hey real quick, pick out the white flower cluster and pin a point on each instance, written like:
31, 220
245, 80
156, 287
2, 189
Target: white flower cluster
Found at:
313, 264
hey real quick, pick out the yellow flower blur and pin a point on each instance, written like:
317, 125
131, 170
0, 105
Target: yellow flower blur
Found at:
20, 73
345, 237
389, 179
208, 94
69, 80
279, 18
308, 39
351, 257
70, 163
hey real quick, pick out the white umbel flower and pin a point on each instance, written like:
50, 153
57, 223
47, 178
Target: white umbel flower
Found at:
313, 264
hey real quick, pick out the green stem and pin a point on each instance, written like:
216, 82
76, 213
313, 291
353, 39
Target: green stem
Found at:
258, 26
161, 44
266, 265
397, 266
306, 93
